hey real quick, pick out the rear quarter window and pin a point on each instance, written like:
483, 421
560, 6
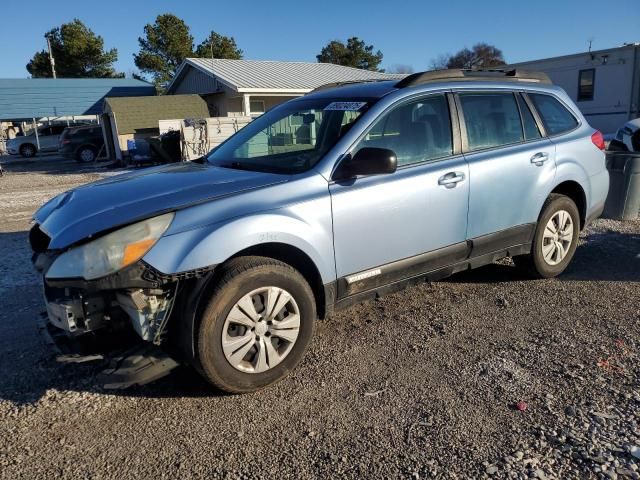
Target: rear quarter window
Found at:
555, 116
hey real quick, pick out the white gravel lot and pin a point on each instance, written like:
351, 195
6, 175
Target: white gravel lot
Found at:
419, 384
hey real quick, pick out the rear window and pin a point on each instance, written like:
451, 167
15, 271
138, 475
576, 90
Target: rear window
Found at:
555, 116
83, 132
491, 119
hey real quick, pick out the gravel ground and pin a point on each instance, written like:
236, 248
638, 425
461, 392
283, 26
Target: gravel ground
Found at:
486, 374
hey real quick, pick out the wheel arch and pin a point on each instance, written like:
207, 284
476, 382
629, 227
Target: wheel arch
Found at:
575, 192
308, 247
299, 260
198, 290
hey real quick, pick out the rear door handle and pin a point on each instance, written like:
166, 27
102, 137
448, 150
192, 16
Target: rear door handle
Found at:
539, 158
451, 179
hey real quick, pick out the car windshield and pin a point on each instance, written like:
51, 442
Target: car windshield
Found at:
291, 138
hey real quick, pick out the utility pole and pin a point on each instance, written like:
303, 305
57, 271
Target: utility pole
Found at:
53, 62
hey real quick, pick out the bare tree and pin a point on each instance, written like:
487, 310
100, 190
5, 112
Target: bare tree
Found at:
440, 62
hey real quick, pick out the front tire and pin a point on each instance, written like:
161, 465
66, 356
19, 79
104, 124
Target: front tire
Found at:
256, 326
555, 240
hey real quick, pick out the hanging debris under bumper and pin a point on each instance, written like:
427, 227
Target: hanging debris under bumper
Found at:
121, 321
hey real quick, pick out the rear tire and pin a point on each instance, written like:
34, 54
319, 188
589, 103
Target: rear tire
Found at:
86, 155
555, 240
28, 151
256, 326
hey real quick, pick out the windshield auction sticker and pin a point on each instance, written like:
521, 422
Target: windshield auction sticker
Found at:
345, 106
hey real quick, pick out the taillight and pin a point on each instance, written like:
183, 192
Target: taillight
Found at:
65, 141
598, 139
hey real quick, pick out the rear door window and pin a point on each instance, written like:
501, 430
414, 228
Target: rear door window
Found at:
492, 119
556, 117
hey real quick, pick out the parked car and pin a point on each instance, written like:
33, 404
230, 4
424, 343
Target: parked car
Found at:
81, 143
227, 263
27, 145
629, 135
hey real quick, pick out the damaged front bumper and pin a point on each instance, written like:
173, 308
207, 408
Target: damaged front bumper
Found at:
136, 297
149, 317
121, 321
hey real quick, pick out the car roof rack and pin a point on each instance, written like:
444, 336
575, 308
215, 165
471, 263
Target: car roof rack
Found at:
327, 86
457, 75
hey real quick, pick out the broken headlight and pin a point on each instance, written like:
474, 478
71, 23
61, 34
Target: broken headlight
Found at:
112, 252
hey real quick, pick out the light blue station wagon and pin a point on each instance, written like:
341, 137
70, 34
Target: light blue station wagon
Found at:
344, 194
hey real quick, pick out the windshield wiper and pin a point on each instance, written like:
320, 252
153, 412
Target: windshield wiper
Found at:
236, 166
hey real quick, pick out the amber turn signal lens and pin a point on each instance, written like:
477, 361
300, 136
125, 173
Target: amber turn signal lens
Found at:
134, 251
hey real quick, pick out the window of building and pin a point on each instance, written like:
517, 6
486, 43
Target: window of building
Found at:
256, 107
586, 80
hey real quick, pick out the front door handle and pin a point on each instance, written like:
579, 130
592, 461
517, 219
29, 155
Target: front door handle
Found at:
451, 179
539, 158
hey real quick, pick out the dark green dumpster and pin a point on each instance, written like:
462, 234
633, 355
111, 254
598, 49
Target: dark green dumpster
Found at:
623, 201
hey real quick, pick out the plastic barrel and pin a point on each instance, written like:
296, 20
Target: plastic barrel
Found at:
623, 200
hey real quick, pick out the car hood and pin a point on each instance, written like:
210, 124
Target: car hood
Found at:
123, 199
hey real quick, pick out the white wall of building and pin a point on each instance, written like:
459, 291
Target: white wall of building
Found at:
616, 85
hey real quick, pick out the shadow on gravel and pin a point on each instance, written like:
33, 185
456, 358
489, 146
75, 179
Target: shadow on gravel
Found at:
604, 256
28, 368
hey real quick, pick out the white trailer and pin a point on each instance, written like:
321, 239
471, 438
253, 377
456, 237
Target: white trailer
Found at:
605, 84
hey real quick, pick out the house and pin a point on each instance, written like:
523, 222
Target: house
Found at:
605, 84
250, 87
137, 118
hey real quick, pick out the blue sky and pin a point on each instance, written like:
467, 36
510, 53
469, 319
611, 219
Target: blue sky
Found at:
408, 32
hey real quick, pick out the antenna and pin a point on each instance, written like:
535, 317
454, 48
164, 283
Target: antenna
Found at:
590, 40
51, 59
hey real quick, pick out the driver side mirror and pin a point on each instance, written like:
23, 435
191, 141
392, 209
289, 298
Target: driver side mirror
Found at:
367, 161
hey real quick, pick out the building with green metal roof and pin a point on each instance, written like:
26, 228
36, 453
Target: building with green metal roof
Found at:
142, 114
